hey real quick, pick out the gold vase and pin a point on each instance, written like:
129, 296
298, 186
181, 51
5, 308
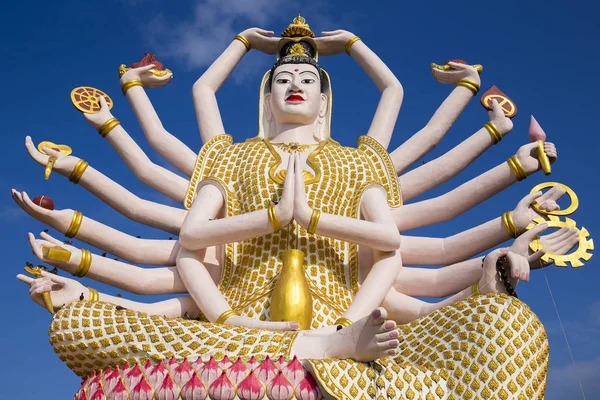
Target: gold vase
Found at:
291, 299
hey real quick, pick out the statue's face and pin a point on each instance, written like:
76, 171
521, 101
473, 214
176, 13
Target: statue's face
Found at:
296, 96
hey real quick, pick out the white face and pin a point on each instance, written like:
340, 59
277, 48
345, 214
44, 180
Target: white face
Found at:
295, 96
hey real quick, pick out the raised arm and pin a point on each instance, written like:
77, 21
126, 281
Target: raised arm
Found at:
468, 195
392, 93
126, 247
429, 136
440, 170
149, 173
143, 211
205, 89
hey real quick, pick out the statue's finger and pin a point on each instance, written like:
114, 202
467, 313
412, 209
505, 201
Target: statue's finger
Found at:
526, 201
34, 153
534, 232
50, 238
25, 279
145, 68
55, 278
535, 257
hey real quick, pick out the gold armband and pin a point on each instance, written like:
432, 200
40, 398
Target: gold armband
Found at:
314, 220
343, 321
469, 84
475, 289
84, 264
517, 168
78, 171
244, 41
350, 42
225, 316
94, 296
75, 224
493, 131
509, 225
273, 218
129, 84
108, 126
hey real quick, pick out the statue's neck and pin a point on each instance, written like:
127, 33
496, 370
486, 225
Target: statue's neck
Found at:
288, 133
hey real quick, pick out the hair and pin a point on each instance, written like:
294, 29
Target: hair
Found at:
296, 59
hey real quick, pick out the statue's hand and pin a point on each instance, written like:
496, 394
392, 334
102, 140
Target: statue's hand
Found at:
258, 324
62, 290
148, 79
333, 42
63, 165
302, 211
261, 40
57, 219
37, 246
524, 213
520, 247
490, 281
285, 208
499, 119
96, 120
527, 155
456, 74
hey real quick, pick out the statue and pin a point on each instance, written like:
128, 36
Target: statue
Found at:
291, 248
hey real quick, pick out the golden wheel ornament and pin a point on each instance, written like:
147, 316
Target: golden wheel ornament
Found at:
85, 99
560, 260
570, 192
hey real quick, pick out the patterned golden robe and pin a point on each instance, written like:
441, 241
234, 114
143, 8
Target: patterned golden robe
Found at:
484, 347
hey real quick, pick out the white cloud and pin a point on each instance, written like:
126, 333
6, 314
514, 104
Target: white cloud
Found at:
563, 381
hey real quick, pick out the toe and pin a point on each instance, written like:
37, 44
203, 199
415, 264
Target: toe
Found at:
378, 316
385, 336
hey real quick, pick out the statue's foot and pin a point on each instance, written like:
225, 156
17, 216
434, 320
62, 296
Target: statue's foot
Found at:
368, 339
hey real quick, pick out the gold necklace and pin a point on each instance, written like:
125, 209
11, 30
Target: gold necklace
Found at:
294, 147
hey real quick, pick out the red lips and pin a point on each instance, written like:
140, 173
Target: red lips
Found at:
294, 98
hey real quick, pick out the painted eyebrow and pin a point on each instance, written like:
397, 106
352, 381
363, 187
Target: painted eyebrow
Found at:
309, 72
283, 72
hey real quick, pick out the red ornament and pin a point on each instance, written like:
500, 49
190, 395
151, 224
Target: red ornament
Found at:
508, 106
147, 60
44, 202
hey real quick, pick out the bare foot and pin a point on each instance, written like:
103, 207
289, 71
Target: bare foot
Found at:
367, 339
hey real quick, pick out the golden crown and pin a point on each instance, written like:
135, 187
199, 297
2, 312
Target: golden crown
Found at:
298, 28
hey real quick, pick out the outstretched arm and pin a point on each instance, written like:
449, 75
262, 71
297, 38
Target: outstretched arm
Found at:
392, 93
468, 195
164, 143
126, 247
205, 89
143, 211
427, 138
440, 170
152, 175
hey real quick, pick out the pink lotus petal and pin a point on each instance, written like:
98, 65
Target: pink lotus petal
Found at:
98, 394
210, 372
119, 392
535, 130
251, 388
194, 389
266, 371
111, 380
280, 363
198, 364
133, 377
83, 395
182, 373
222, 389
125, 369
92, 386
280, 388
172, 364
294, 371
237, 372
148, 367
168, 390
225, 363
252, 363
158, 374
142, 391
308, 389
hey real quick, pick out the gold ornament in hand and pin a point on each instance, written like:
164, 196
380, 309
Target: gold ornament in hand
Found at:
64, 149
568, 211
37, 272
85, 99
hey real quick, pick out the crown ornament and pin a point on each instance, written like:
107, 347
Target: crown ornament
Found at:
298, 28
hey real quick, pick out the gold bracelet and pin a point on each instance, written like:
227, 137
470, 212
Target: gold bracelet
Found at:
509, 225
469, 84
273, 218
493, 131
225, 316
79, 169
517, 168
75, 224
314, 220
350, 42
94, 295
84, 264
343, 321
129, 84
244, 41
475, 289
108, 126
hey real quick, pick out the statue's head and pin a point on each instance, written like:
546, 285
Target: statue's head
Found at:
296, 90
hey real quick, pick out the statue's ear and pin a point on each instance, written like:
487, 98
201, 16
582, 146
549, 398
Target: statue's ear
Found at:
323, 106
268, 114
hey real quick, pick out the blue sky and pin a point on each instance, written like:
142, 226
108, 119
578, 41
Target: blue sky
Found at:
541, 53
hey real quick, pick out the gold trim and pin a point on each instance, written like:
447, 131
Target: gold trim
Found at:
244, 41
223, 317
475, 289
493, 131
469, 84
509, 225
78, 171
129, 84
310, 161
517, 168
75, 224
273, 220
94, 295
350, 42
84, 264
314, 220
108, 126
344, 321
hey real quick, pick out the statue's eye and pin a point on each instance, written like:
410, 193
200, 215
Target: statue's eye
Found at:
308, 80
283, 80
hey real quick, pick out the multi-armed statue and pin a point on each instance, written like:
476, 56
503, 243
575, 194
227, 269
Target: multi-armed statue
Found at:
292, 255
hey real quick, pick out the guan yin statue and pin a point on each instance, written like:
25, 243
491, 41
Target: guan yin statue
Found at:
295, 273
